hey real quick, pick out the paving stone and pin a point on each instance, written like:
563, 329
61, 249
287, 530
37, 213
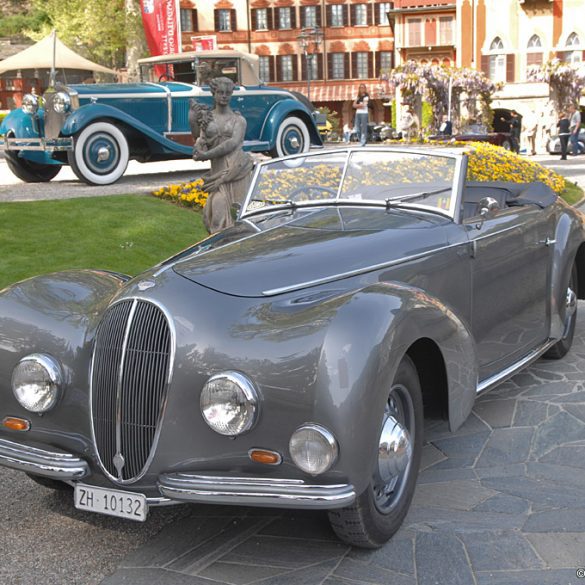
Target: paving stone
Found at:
561, 428
550, 372
367, 573
506, 446
526, 379
552, 577
565, 520
496, 413
550, 389
515, 470
462, 446
504, 504
567, 455
471, 426
430, 456
396, 555
441, 559
310, 575
456, 463
575, 397
561, 475
155, 577
529, 413
239, 574
491, 551
453, 495
433, 475
445, 521
315, 527
560, 550
577, 410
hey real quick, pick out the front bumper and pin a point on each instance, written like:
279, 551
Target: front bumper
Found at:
186, 487
40, 144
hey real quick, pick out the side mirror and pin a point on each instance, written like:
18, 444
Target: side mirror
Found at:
488, 206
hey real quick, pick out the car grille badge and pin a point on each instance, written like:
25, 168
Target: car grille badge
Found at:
119, 463
145, 284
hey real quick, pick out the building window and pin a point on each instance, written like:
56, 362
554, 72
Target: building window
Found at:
573, 55
383, 9
188, 20
264, 68
313, 66
414, 28
361, 15
446, 30
286, 68
261, 19
224, 20
362, 65
385, 61
309, 16
337, 66
336, 12
534, 54
284, 18
497, 62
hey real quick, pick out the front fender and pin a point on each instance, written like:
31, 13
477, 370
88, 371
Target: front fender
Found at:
362, 349
282, 110
89, 113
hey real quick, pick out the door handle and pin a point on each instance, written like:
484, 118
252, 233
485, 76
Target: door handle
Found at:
548, 242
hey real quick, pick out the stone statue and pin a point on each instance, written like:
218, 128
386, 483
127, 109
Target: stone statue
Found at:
219, 136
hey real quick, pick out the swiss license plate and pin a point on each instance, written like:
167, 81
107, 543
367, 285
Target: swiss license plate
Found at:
111, 502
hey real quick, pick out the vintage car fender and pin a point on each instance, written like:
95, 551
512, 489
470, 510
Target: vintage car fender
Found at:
282, 110
89, 113
362, 349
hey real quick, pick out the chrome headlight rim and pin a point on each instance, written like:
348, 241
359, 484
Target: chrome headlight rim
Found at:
61, 102
30, 103
251, 396
329, 441
55, 375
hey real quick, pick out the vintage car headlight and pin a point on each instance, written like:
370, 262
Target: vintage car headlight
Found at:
61, 102
30, 103
37, 381
313, 448
229, 403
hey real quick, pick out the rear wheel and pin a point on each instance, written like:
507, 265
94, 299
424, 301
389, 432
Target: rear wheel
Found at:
100, 154
292, 137
563, 345
29, 171
379, 511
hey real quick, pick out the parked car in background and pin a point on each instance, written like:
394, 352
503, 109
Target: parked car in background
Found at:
478, 133
286, 361
98, 128
553, 144
376, 133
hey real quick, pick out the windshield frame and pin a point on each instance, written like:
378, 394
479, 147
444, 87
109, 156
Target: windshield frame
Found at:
460, 169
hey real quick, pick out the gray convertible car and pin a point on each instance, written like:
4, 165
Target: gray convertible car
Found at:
288, 361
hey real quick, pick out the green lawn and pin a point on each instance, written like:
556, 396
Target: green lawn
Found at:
572, 193
127, 233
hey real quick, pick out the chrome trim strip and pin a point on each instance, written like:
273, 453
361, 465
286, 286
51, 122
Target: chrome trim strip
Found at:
358, 271
507, 373
256, 491
56, 465
44, 144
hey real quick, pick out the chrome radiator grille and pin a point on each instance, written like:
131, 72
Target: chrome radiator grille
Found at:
129, 380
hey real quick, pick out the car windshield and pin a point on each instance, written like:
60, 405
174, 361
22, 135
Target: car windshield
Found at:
198, 71
385, 177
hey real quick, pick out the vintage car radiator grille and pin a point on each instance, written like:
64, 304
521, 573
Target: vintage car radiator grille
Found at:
130, 372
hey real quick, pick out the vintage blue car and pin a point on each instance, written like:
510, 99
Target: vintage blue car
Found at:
98, 128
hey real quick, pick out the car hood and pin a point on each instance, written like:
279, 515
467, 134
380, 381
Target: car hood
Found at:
307, 248
121, 89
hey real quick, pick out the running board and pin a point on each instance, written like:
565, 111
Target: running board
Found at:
504, 375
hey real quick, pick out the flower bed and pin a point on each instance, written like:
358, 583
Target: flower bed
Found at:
189, 194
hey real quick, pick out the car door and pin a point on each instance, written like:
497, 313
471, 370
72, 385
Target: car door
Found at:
510, 271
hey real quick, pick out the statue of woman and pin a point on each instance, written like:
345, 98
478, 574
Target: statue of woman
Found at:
219, 135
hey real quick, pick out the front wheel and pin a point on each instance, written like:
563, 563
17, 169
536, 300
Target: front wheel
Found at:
292, 137
379, 511
100, 154
29, 171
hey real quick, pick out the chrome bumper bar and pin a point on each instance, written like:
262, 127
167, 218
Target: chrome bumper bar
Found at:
277, 493
56, 465
43, 144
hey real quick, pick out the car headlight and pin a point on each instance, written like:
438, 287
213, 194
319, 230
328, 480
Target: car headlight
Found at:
30, 103
37, 382
313, 449
229, 403
61, 102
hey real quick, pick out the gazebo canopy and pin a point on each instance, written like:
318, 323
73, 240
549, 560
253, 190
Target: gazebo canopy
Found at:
40, 56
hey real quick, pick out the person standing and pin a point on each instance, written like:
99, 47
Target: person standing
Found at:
515, 131
531, 131
563, 126
574, 126
360, 106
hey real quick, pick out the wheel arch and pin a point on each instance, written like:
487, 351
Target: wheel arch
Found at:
284, 109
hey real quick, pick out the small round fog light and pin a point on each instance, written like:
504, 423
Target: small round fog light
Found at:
61, 102
313, 448
36, 382
30, 103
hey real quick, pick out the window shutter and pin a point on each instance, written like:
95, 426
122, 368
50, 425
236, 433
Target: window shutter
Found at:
378, 59
233, 22
485, 64
330, 65
303, 68
354, 66
370, 64
318, 16
377, 20
352, 14
319, 65
510, 63
195, 20
295, 68
303, 16
369, 14
329, 14
216, 18
293, 17
345, 15
278, 67
346, 65
270, 18
254, 19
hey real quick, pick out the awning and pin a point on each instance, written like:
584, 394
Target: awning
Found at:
332, 92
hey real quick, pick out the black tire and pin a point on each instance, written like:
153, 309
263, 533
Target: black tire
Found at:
379, 511
507, 145
29, 171
563, 345
47, 482
100, 154
292, 138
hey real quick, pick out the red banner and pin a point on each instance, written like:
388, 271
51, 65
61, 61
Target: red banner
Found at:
161, 26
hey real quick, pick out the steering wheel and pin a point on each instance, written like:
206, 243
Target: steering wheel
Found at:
312, 188
165, 77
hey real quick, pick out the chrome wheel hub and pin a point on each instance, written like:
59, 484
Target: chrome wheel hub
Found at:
103, 154
294, 142
394, 451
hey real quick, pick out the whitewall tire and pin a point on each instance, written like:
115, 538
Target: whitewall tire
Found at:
292, 137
